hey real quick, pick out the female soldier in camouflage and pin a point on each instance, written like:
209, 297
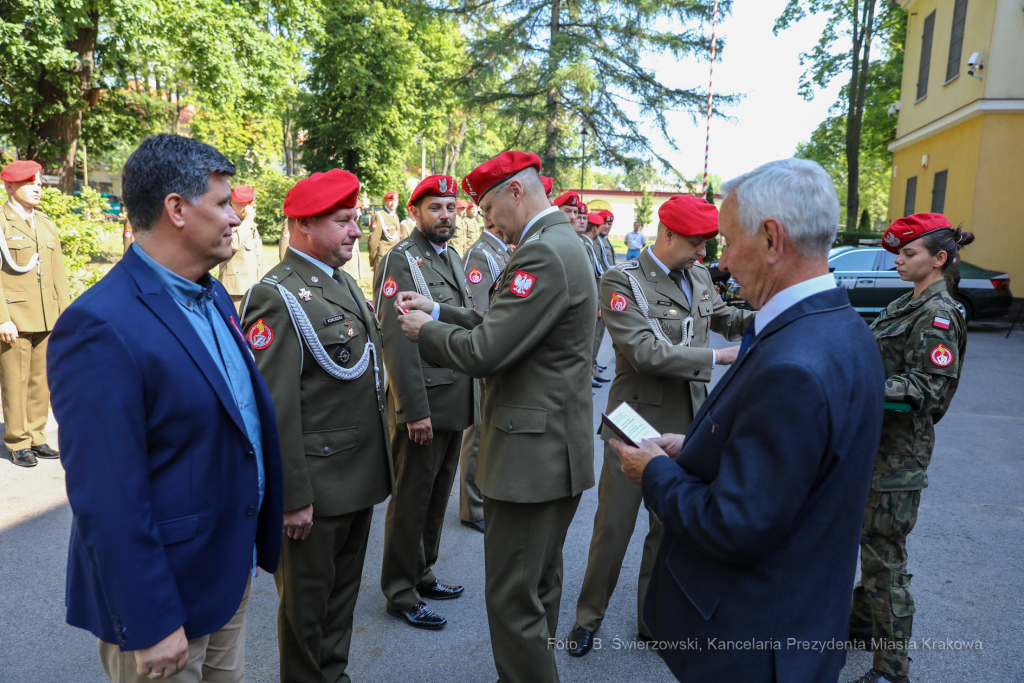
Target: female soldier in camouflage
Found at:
922, 338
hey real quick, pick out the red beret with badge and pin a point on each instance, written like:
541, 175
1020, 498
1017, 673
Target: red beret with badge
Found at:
461, 204
243, 194
595, 219
389, 195
687, 215
568, 199
434, 186
583, 208
549, 184
20, 171
320, 193
487, 175
608, 215
911, 227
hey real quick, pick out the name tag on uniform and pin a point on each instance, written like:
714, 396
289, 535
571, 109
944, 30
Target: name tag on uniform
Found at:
435, 284
335, 319
17, 237
664, 303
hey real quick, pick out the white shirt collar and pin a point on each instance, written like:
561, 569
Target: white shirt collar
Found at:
494, 237
21, 212
533, 220
790, 297
319, 264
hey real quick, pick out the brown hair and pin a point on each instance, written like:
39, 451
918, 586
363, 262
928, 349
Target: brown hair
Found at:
950, 241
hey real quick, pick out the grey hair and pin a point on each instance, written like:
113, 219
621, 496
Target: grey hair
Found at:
796, 192
528, 177
167, 164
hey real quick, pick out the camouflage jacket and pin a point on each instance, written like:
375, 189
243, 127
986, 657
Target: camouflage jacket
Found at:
922, 342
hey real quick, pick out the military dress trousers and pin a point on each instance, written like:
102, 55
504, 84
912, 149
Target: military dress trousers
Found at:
922, 341
32, 300
417, 389
319, 347
594, 252
662, 366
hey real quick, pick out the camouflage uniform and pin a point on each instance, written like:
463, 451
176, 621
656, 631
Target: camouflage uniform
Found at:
922, 342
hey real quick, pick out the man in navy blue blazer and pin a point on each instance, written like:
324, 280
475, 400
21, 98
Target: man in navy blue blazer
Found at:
764, 497
167, 434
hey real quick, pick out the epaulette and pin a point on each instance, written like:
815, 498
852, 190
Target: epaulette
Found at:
701, 265
533, 239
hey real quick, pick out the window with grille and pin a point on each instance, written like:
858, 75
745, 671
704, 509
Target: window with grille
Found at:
911, 198
926, 55
939, 192
956, 40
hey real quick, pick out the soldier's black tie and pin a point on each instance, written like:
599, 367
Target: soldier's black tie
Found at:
677, 277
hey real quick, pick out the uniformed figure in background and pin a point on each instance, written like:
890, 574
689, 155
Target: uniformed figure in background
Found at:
549, 186
241, 271
569, 203
484, 264
127, 237
476, 224
595, 251
922, 338
385, 231
428, 407
608, 257
466, 230
319, 347
537, 448
658, 310
33, 292
282, 246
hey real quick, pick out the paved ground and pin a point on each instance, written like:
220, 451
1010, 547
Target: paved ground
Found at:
967, 556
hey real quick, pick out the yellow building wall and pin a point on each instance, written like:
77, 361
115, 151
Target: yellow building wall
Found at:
956, 151
998, 219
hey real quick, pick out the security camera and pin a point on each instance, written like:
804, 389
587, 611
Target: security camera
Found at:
893, 109
975, 64
974, 58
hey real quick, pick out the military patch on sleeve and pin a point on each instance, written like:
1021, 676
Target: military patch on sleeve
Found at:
522, 283
941, 356
390, 287
941, 323
260, 335
475, 276
618, 302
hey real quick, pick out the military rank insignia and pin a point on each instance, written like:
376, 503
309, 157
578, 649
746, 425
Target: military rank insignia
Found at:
618, 302
941, 356
260, 335
390, 287
522, 283
475, 276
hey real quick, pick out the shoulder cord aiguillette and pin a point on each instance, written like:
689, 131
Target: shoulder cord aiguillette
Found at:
417, 276
6, 255
492, 265
641, 302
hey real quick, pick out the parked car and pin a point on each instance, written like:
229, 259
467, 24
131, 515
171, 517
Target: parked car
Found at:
870, 277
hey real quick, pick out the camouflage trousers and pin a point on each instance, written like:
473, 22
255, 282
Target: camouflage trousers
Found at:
882, 596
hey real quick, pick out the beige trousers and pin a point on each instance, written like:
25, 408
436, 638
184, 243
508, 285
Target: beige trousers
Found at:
26, 396
215, 658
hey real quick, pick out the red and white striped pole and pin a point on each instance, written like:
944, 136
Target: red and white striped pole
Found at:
707, 139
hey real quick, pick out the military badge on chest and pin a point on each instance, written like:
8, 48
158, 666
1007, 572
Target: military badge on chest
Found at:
342, 355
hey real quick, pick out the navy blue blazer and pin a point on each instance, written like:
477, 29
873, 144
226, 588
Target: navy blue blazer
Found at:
764, 505
160, 473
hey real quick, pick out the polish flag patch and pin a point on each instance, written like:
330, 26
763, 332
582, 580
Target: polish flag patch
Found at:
522, 283
475, 276
260, 335
941, 356
618, 302
390, 287
941, 323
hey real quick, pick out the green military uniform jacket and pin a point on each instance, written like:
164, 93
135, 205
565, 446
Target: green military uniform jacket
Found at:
417, 389
385, 233
608, 253
241, 271
32, 300
663, 380
335, 445
922, 342
485, 262
533, 347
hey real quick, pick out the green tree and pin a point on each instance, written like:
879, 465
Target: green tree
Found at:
644, 207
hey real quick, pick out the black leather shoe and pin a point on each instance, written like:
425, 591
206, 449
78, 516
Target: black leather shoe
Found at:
45, 451
602, 368
420, 616
599, 378
579, 642
860, 637
876, 676
476, 526
24, 458
440, 591
594, 383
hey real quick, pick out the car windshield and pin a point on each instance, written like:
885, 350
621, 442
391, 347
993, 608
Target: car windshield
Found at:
837, 250
854, 260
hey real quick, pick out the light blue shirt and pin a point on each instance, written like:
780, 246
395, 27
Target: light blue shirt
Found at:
316, 262
196, 302
790, 297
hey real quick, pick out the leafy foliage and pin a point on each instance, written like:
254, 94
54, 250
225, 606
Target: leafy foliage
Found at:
271, 186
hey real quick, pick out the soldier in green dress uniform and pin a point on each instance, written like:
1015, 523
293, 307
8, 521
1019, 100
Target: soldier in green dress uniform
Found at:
318, 345
922, 338
428, 407
595, 252
385, 230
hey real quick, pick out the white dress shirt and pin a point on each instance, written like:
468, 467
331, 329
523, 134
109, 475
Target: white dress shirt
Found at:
791, 296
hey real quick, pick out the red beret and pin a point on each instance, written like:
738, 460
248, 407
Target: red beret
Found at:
20, 171
490, 173
688, 215
569, 198
583, 207
243, 194
607, 214
595, 219
910, 228
322, 192
390, 194
434, 186
549, 184
461, 204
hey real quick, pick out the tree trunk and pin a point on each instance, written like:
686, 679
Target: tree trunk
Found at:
61, 132
863, 27
551, 142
